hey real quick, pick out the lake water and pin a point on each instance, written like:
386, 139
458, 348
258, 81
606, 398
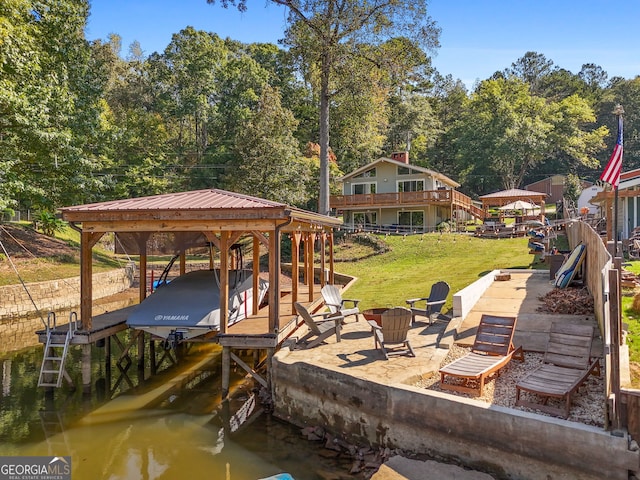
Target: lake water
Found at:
143, 434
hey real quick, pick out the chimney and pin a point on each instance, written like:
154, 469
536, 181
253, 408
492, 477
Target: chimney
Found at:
401, 157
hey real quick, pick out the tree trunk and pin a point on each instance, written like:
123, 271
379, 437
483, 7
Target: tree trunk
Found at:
323, 201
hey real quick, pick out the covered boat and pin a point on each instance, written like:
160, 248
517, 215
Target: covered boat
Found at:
189, 305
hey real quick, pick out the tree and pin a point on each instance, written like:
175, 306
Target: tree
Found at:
506, 131
332, 30
49, 104
531, 68
272, 166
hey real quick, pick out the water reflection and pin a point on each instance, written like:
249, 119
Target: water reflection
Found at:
155, 431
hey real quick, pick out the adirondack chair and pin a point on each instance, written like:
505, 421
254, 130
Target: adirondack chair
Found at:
321, 326
492, 350
391, 336
566, 366
433, 303
336, 304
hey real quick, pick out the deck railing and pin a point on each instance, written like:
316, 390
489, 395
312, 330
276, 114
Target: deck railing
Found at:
425, 197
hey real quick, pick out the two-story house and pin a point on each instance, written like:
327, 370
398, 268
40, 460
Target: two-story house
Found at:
391, 194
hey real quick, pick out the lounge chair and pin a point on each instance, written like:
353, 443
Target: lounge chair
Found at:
327, 325
567, 364
492, 350
391, 336
333, 299
433, 303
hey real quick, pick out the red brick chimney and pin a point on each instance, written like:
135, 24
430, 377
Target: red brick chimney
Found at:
401, 157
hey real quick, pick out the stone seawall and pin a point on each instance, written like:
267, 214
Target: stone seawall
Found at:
19, 318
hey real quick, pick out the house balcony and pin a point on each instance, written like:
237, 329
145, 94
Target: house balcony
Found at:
442, 198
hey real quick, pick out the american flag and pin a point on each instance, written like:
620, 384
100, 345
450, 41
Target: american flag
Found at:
611, 173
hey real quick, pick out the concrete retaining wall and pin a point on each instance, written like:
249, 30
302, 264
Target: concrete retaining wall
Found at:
507, 443
59, 294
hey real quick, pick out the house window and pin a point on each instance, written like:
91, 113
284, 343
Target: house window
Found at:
411, 219
404, 171
363, 188
368, 174
411, 186
364, 219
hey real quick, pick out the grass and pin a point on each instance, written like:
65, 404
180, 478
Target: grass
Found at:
414, 262
57, 265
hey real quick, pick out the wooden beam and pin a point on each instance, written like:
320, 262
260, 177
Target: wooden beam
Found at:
248, 369
224, 281
331, 259
256, 274
87, 241
295, 267
309, 262
274, 274
144, 225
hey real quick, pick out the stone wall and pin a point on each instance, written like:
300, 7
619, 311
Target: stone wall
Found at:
60, 294
507, 442
19, 318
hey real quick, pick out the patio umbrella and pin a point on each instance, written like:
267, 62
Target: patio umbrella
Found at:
519, 205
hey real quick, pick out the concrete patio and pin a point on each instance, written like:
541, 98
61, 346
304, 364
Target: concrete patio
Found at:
350, 388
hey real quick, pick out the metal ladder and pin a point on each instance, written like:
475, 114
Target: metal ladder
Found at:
55, 352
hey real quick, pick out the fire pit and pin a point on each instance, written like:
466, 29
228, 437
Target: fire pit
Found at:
374, 314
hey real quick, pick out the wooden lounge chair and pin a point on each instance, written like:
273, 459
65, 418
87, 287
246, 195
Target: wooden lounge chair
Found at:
433, 303
492, 350
321, 326
391, 337
333, 299
566, 366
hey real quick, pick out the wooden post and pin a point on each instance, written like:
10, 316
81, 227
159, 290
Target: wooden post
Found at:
309, 262
224, 281
323, 260
331, 259
226, 371
274, 274
295, 267
141, 339
256, 273
87, 241
86, 368
183, 262
152, 356
615, 339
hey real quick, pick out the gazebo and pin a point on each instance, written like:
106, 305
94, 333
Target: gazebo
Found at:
512, 196
219, 219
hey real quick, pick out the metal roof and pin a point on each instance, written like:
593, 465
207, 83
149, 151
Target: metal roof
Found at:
513, 192
206, 205
212, 199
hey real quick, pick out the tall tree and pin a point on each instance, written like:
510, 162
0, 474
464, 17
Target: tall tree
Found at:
272, 165
506, 131
333, 30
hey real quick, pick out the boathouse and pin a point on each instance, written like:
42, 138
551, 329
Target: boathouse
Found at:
219, 219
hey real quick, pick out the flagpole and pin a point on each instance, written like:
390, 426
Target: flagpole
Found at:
618, 111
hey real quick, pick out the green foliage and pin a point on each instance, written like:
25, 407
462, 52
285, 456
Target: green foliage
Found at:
48, 223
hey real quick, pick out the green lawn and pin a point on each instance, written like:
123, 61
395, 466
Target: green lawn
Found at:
415, 262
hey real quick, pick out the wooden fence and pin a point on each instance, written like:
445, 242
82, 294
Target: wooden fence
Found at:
602, 277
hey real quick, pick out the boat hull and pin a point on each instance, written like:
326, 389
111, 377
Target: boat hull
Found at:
189, 305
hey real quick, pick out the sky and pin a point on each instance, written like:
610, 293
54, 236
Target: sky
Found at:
479, 37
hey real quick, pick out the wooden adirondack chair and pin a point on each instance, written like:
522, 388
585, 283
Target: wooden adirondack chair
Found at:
336, 304
492, 350
321, 326
567, 364
391, 336
433, 303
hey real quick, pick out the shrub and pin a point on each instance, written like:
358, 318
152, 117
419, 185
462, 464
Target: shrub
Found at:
48, 223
